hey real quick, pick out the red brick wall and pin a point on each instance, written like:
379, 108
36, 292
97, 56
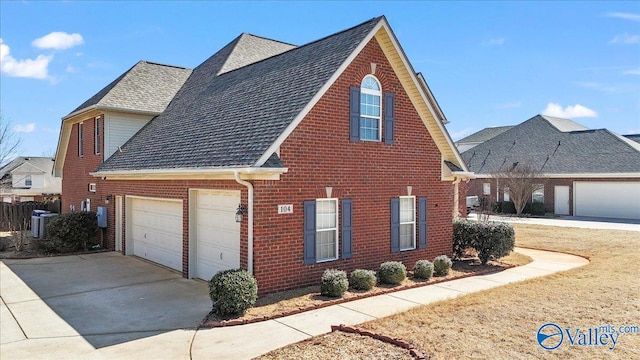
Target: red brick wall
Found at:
318, 154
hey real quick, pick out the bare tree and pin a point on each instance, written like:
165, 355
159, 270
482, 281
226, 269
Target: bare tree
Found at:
9, 141
521, 180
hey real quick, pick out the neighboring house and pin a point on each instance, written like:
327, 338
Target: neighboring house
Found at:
479, 137
279, 159
29, 178
585, 172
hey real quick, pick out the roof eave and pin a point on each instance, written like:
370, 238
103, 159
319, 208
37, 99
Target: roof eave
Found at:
221, 173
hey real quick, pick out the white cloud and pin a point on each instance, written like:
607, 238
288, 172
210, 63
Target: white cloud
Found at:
58, 40
28, 68
70, 69
25, 128
626, 16
635, 71
571, 111
494, 42
625, 39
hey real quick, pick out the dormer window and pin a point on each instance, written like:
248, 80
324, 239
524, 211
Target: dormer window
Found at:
370, 109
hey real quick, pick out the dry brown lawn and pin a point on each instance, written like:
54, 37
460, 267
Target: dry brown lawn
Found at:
502, 323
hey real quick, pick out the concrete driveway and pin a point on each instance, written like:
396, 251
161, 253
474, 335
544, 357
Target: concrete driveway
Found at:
98, 299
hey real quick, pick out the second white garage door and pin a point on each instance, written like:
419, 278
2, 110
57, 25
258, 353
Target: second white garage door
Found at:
607, 199
218, 233
155, 228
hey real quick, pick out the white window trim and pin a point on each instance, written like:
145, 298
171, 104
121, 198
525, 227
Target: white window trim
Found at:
484, 188
28, 181
377, 93
506, 196
328, 229
409, 222
541, 190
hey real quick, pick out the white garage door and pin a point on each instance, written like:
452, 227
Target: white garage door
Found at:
607, 199
155, 226
218, 233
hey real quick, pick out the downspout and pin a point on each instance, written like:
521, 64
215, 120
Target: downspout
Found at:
456, 197
249, 186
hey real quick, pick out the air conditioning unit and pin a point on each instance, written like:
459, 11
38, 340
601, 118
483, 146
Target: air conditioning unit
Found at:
92, 187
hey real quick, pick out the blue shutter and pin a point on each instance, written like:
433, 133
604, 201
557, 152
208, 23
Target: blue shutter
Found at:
354, 113
395, 225
347, 227
389, 111
310, 232
422, 222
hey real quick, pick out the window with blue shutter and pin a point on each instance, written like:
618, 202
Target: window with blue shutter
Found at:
310, 232
422, 222
354, 113
347, 229
389, 110
395, 225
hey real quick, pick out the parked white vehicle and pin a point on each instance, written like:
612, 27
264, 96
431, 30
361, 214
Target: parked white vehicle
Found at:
473, 203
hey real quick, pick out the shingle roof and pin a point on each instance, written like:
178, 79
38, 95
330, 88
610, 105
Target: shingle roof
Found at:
540, 144
146, 86
32, 165
634, 137
484, 134
249, 49
231, 119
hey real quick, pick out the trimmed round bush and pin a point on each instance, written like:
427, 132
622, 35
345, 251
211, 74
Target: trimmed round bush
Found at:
233, 291
70, 232
423, 269
392, 272
334, 283
489, 239
361, 279
442, 265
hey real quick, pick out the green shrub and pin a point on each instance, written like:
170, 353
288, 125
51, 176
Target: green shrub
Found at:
361, 279
334, 283
423, 269
70, 232
392, 272
537, 208
487, 238
442, 265
233, 291
493, 239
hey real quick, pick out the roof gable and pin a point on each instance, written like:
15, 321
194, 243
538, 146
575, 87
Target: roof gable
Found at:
484, 134
541, 144
249, 49
146, 87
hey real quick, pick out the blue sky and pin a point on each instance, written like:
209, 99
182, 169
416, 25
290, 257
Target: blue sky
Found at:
488, 63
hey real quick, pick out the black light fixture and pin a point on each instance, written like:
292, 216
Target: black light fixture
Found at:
240, 211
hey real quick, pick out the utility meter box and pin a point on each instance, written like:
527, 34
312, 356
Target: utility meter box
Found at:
102, 216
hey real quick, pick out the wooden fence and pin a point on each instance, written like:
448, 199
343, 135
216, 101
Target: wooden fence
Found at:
21, 213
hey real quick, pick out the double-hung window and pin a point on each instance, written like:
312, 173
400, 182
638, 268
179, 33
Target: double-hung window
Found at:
486, 188
370, 109
326, 229
27, 180
97, 136
538, 194
407, 222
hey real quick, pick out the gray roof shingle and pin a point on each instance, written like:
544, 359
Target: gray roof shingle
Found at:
249, 49
484, 134
231, 119
146, 86
634, 137
539, 143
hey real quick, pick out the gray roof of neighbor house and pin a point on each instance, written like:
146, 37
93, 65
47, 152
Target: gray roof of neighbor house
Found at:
231, 119
147, 87
634, 137
484, 134
541, 143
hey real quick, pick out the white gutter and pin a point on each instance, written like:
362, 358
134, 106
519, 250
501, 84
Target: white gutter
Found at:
249, 186
112, 108
191, 171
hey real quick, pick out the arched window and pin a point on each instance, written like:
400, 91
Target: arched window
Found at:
370, 109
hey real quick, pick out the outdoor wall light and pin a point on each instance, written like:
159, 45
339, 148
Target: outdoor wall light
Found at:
108, 198
240, 211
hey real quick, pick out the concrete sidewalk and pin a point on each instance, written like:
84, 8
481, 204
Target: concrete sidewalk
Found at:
570, 221
245, 341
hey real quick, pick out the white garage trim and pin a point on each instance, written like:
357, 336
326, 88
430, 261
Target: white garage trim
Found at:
154, 228
610, 199
214, 235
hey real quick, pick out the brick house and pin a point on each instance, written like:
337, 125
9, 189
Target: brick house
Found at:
583, 172
279, 159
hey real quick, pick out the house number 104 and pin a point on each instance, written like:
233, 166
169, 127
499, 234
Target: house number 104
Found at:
285, 209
